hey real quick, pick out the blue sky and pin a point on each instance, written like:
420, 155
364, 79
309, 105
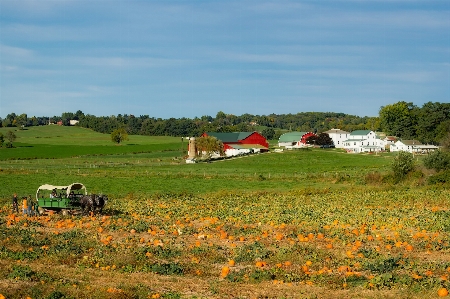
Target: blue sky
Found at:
193, 58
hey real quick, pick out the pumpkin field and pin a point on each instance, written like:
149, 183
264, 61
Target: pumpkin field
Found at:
315, 223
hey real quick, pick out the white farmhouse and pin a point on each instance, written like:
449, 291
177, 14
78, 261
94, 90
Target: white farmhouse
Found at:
338, 136
412, 146
360, 141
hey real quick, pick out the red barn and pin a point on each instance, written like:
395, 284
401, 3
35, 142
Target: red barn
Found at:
296, 139
241, 140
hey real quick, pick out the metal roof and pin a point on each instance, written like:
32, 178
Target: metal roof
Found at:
230, 137
360, 132
411, 142
291, 136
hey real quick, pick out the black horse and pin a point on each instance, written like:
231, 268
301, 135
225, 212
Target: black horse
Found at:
93, 203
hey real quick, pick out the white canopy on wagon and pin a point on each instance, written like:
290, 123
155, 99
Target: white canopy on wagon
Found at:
66, 189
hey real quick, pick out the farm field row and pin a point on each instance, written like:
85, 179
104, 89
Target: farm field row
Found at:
363, 244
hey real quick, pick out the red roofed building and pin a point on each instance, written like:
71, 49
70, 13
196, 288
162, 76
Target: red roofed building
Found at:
240, 142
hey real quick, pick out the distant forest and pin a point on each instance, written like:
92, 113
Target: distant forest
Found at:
428, 124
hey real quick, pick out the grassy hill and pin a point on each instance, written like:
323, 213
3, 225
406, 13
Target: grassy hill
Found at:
49, 142
72, 135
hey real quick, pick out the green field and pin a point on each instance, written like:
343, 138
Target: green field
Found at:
62, 155
316, 223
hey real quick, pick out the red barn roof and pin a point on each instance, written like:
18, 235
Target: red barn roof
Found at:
240, 138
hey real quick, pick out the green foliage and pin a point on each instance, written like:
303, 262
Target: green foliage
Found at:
119, 135
208, 145
10, 136
164, 252
429, 123
437, 160
2, 139
171, 295
433, 121
398, 119
166, 269
268, 133
440, 178
383, 266
20, 272
261, 275
402, 164
324, 139
311, 140
56, 295
150, 126
252, 252
445, 141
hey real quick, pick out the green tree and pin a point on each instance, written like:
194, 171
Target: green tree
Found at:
433, 121
437, 160
11, 137
399, 119
402, 164
442, 131
208, 145
268, 133
373, 124
312, 140
78, 115
119, 135
2, 139
66, 117
324, 139
22, 120
445, 142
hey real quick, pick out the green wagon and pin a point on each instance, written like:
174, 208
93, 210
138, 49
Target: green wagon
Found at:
64, 199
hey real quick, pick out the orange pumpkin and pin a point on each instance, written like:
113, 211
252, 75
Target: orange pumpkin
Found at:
442, 292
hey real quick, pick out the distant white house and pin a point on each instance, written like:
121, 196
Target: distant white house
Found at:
73, 122
412, 146
338, 136
360, 141
389, 141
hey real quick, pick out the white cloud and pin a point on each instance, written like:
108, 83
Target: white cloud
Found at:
10, 52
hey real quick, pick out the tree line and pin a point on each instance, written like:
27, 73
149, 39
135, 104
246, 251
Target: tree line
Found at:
271, 125
429, 123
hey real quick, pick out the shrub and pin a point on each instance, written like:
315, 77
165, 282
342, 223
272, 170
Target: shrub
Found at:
403, 164
21, 272
437, 160
440, 178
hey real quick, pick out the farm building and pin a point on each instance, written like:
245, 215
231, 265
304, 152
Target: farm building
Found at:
338, 136
238, 143
294, 139
360, 141
412, 146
